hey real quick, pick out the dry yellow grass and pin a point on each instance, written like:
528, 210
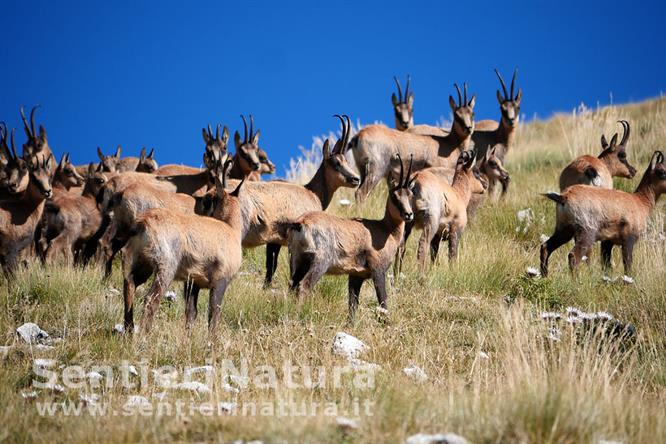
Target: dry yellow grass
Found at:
446, 321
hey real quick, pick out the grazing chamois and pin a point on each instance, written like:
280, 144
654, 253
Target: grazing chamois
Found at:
72, 224
589, 214
599, 171
375, 146
115, 164
321, 243
246, 161
201, 250
488, 134
266, 205
19, 217
440, 209
36, 149
15, 174
403, 107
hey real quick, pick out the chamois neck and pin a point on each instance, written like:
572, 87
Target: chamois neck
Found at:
505, 134
233, 217
646, 192
58, 185
319, 186
461, 185
236, 172
390, 220
453, 139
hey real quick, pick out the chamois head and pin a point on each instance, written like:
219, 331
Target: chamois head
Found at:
467, 170
147, 163
216, 146
37, 145
109, 163
337, 170
267, 167
492, 166
246, 149
463, 112
41, 174
615, 154
403, 106
224, 202
95, 179
509, 104
17, 176
66, 173
399, 204
655, 175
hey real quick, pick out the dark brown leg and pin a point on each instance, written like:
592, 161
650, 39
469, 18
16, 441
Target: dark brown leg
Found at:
355, 284
560, 237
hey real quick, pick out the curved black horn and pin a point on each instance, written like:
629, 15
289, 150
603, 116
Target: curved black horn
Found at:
399, 88
499, 76
225, 167
25, 123
409, 171
14, 146
217, 131
251, 127
465, 92
210, 132
627, 131
244, 129
339, 145
459, 95
348, 135
402, 172
32, 120
513, 81
407, 87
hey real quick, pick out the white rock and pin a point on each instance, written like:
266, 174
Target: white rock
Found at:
170, 296
43, 363
361, 365
627, 280
348, 346
533, 272
483, 355
344, 202
193, 386
415, 372
28, 394
30, 332
136, 401
346, 424
90, 399
119, 329
439, 438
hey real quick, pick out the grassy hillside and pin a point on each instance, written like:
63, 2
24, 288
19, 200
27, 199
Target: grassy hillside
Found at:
474, 327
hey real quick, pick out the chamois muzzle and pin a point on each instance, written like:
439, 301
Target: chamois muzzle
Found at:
408, 216
353, 180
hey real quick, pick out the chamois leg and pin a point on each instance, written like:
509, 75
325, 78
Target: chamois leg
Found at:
300, 264
606, 254
138, 276
215, 303
454, 240
315, 272
428, 233
91, 246
582, 244
355, 284
379, 281
272, 252
628, 253
434, 245
560, 237
152, 302
60, 246
505, 185
191, 299
400, 254
369, 181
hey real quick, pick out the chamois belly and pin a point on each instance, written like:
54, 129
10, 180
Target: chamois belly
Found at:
355, 265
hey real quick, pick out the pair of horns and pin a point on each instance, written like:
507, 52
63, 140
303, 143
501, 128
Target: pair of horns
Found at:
403, 182
245, 138
143, 153
400, 96
341, 145
626, 131
10, 152
461, 102
29, 130
513, 82
217, 132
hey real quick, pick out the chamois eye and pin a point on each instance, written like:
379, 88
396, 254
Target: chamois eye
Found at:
622, 155
492, 164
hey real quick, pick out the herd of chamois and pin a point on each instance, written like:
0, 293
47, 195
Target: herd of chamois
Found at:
177, 222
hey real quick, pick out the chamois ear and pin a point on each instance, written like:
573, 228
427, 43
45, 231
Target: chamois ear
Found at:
326, 150
117, 155
657, 158
255, 138
519, 96
100, 154
91, 169
42, 133
394, 100
204, 134
604, 142
613, 142
237, 140
62, 161
472, 101
237, 190
452, 103
142, 155
99, 167
225, 135
499, 97
48, 163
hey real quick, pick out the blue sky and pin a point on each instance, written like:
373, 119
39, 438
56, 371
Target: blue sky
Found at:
149, 73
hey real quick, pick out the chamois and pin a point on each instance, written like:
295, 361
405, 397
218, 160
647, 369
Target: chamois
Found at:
440, 209
16, 175
201, 250
488, 134
215, 149
322, 243
375, 146
66, 176
115, 164
599, 171
246, 161
19, 217
265, 205
36, 149
589, 214
403, 107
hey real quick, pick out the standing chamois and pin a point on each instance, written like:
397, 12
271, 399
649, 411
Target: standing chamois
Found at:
440, 209
173, 246
403, 107
589, 214
321, 243
246, 161
489, 133
375, 147
599, 171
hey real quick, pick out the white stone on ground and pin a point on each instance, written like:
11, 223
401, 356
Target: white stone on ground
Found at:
483, 355
439, 438
346, 424
119, 329
30, 332
415, 372
348, 346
